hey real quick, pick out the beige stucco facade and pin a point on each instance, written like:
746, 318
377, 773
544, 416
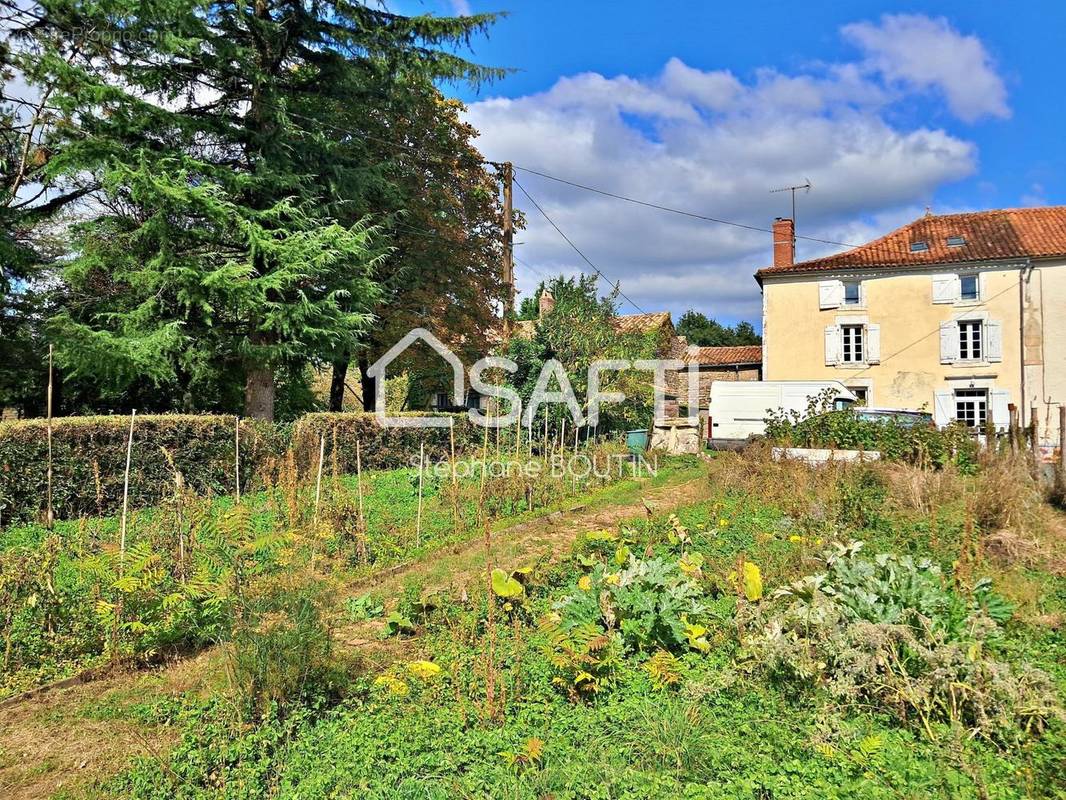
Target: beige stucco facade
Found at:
908, 318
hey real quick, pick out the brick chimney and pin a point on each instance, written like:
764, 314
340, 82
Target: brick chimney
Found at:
547, 303
784, 242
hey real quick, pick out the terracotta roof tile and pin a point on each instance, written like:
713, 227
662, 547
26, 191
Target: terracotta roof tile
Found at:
723, 356
986, 236
641, 323
627, 323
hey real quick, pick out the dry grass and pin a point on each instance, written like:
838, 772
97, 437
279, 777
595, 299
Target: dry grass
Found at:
921, 490
789, 485
1005, 497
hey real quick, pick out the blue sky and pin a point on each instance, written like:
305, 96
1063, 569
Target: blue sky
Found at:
887, 107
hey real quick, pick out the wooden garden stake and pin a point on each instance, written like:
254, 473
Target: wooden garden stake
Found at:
237, 457
318, 495
50, 518
1062, 447
1034, 437
496, 419
359, 490
421, 483
573, 473
518, 432
125, 499
122, 535
318, 480
481, 490
455, 481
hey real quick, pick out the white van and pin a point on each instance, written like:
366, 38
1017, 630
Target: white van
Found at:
738, 409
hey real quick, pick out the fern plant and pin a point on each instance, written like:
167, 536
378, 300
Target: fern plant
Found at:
583, 657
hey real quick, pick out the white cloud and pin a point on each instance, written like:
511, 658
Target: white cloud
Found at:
461, 8
922, 53
714, 144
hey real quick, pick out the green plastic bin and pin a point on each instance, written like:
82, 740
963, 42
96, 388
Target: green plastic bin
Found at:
637, 441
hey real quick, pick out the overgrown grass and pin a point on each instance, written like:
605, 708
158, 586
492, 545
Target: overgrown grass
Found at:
707, 722
72, 600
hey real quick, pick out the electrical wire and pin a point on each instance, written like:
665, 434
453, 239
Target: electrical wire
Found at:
680, 211
923, 337
576, 249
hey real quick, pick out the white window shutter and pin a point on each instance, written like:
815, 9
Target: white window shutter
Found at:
949, 342
873, 344
994, 340
943, 408
946, 288
830, 294
832, 345
1000, 413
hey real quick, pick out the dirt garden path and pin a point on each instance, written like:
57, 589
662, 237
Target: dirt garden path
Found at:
69, 740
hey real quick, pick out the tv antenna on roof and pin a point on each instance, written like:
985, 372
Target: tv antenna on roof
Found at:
806, 188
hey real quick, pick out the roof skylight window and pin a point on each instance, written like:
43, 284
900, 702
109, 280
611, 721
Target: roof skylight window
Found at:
956, 241
919, 247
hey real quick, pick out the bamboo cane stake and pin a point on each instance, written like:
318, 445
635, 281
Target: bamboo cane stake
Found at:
518, 432
50, 516
455, 480
421, 479
318, 495
237, 457
359, 490
125, 499
122, 535
318, 480
481, 490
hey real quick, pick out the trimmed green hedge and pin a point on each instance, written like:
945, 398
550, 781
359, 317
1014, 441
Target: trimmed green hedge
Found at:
89, 456
380, 448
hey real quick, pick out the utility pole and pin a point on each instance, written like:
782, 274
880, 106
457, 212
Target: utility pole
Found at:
507, 170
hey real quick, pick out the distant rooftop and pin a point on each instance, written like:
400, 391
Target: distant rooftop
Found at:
723, 356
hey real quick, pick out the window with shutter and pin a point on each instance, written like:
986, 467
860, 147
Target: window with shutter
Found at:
945, 288
830, 294
949, 342
873, 344
993, 340
971, 407
971, 342
832, 345
851, 344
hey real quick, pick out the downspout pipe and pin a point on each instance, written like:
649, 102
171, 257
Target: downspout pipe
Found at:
1024, 274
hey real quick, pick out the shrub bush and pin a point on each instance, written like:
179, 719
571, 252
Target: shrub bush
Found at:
925, 445
886, 632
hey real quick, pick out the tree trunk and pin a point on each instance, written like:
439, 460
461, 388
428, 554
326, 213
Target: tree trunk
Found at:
337, 385
259, 393
369, 384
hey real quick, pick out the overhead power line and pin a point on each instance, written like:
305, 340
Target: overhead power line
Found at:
574, 246
670, 209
